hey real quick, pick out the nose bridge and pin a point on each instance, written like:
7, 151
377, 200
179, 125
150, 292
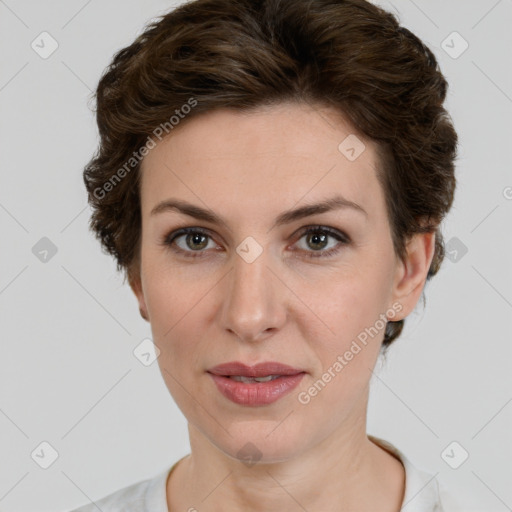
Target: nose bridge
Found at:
252, 305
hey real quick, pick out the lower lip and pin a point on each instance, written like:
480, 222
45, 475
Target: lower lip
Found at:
256, 393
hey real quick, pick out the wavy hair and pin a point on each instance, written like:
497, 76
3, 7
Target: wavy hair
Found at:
241, 54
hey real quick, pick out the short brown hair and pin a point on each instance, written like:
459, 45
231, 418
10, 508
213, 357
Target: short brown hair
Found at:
241, 54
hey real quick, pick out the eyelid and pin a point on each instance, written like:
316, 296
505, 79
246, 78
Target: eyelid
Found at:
336, 233
169, 238
342, 238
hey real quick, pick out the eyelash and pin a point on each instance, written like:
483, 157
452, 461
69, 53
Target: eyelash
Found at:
342, 238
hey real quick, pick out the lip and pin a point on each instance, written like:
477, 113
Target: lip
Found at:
258, 370
255, 393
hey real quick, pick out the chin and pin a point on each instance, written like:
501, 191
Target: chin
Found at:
260, 442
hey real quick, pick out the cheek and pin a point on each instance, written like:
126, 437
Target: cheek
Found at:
172, 304
170, 290
347, 351
353, 306
176, 311
345, 303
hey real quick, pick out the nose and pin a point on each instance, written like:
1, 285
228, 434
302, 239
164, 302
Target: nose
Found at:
253, 305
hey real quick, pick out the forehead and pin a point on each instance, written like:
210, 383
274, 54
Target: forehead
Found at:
274, 155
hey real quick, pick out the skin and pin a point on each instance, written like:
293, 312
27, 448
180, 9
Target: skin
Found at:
285, 306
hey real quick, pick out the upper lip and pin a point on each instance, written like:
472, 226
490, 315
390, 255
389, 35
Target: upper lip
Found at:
258, 370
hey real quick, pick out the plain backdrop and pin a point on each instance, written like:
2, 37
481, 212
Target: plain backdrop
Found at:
73, 395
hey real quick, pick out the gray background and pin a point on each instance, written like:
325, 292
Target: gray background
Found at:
68, 375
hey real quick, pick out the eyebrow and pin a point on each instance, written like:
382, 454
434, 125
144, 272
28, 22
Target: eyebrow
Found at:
287, 217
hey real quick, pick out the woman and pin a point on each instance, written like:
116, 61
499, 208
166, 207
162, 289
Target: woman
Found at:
271, 178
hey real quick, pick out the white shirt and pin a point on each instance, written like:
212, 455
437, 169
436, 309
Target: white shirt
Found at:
422, 492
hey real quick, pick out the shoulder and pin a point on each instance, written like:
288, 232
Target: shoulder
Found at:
423, 493
448, 501
144, 496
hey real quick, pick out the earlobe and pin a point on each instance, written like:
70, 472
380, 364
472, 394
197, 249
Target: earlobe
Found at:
412, 272
136, 286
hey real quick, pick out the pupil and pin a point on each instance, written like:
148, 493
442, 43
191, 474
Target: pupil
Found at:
315, 238
196, 239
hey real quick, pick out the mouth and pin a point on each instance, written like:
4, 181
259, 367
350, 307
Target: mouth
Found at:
257, 385
241, 378
267, 370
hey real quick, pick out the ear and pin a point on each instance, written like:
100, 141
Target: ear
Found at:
412, 272
136, 286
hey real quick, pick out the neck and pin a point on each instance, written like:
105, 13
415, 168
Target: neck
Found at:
344, 472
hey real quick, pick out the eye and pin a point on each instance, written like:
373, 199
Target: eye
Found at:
189, 241
317, 243
320, 241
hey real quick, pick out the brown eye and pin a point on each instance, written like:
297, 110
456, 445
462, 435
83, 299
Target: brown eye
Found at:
317, 241
189, 242
322, 241
196, 241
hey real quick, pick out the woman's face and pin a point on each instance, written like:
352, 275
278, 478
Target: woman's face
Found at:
248, 283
